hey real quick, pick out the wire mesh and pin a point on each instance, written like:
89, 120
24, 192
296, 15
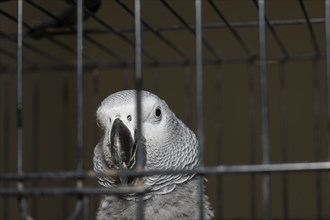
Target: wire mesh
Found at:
257, 72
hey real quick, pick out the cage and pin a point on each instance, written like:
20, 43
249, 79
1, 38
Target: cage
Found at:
251, 78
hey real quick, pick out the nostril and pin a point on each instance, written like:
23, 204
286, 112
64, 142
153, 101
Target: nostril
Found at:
129, 117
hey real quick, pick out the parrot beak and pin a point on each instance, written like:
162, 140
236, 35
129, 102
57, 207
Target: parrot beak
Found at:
122, 147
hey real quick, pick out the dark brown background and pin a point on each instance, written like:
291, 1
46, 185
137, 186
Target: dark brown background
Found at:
50, 114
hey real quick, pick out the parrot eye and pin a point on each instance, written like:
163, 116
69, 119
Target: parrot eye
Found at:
158, 113
129, 117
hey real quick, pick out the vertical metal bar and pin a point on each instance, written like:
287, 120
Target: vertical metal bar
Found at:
275, 35
138, 73
284, 136
138, 86
19, 106
80, 85
218, 107
327, 29
199, 80
19, 84
252, 135
264, 108
80, 94
199, 99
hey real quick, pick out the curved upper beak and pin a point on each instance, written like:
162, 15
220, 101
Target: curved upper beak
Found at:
122, 146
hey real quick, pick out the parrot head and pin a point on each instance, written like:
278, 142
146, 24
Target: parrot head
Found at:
166, 142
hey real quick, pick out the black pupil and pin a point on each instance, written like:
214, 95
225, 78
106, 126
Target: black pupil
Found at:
158, 112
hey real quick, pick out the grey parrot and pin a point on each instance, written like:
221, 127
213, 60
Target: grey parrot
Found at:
167, 144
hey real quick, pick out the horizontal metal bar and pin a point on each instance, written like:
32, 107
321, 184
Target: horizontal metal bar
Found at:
241, 169
180, 27
236, 169
70, 191
46, 69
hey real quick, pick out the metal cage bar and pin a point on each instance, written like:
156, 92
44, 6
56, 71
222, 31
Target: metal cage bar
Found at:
138, 86
327, 31
264, 108
81, 201
270, 24
19, 105
274, 33
199, 100
221, 169
80, 92
216, 25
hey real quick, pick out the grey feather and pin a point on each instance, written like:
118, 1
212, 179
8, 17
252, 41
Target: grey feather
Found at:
168, 143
